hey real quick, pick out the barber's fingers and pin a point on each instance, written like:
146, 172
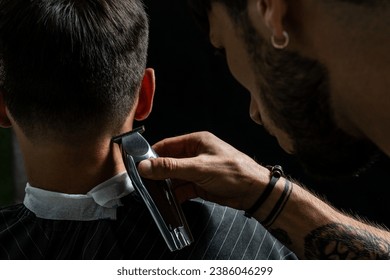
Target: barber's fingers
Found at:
186, 177
188, 145
166, 167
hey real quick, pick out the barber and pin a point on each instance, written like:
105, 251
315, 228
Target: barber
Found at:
318, 75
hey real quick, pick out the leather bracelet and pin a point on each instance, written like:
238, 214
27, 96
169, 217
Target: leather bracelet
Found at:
276, 173
288, 187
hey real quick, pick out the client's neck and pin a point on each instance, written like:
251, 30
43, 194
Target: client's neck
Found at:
72, 170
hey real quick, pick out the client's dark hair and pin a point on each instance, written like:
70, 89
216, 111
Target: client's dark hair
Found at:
71, 67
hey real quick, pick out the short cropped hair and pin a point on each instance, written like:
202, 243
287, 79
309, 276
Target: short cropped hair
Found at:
71, 67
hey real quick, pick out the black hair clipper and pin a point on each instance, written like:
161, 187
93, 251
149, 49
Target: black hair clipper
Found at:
157, 195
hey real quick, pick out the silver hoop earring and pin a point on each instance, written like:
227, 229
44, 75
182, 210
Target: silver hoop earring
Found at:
283, 45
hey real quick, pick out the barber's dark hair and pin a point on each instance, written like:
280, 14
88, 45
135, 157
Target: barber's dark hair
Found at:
201, 8
236, 8
71, 67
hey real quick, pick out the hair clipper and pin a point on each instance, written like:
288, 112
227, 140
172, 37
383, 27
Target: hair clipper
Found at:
157, 195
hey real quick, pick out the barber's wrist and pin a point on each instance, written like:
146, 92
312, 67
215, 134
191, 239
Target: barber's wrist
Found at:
274, 196
255, 188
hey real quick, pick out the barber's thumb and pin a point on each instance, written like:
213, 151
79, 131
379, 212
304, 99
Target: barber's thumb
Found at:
157, 168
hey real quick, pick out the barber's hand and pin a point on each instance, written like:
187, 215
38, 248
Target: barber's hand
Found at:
202, 165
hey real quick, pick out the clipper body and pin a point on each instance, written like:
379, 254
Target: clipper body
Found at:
157, 195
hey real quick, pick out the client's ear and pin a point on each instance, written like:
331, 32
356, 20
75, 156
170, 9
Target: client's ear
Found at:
146, 95
4, 120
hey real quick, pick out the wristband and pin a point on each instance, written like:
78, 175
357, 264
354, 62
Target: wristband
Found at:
276, 173
288, 187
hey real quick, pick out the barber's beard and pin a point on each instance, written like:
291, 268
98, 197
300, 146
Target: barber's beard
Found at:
295, 91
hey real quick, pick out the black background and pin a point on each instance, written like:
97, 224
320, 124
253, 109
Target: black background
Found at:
195, 92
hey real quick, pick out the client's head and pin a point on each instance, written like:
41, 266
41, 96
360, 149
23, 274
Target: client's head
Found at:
72, 69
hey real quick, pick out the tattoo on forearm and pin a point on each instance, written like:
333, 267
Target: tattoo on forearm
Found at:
338, 241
